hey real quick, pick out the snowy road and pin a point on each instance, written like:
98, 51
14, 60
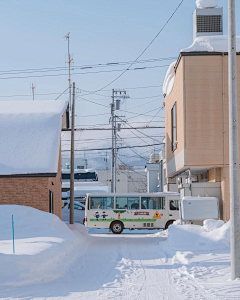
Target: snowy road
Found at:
132, 266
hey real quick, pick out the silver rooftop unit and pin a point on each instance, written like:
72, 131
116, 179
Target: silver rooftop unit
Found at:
207, 21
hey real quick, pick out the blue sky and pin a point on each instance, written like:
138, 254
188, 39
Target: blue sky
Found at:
100, 32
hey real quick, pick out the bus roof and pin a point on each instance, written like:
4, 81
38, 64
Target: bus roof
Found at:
157, 194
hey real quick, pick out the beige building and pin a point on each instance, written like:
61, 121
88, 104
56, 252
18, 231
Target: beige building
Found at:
196, 112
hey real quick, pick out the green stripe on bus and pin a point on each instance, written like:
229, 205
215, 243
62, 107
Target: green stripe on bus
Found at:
123, 220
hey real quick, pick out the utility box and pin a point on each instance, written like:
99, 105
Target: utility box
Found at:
207, 21
199, 208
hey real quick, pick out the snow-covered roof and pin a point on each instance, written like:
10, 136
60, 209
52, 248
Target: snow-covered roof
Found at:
206, 3
30, 136
82, 191
215, 43
82, 171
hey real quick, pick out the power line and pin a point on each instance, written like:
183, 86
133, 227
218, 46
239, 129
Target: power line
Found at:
144, 49
109, 148
62, 93
104, 139
47, 94
141, 132
92, 102
141, 127
161, 108
82, 73
54, 69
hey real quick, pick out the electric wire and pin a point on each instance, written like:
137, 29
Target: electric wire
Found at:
165, 24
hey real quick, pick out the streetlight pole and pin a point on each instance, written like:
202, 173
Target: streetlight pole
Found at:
233, 144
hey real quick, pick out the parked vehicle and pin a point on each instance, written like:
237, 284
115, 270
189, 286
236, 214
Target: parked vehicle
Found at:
80, 175
79, 212
131, 210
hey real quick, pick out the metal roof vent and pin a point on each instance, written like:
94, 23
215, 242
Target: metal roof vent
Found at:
207, 21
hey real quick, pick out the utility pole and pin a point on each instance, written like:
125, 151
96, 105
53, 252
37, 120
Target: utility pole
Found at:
72, 160
115, 105
112, 150
233, 144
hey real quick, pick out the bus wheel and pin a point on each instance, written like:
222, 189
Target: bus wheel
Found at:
117, 227
169, 223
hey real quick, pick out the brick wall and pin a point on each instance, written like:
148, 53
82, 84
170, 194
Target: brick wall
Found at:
33, 191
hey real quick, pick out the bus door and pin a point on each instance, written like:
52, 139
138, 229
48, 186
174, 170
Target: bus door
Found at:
173, 208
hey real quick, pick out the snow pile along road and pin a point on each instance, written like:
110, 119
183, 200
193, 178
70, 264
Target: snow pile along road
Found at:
213, 235
45, 247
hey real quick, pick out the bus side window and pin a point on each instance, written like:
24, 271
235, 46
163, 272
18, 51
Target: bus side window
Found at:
102, 202
127, 202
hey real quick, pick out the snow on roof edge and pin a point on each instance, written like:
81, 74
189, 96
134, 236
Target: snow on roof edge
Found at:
169, 79
215, 43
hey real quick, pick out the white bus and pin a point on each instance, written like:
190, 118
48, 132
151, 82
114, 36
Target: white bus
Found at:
131, 210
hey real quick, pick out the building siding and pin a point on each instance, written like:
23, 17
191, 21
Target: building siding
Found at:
175, 96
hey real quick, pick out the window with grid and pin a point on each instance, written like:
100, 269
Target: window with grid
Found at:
209, 23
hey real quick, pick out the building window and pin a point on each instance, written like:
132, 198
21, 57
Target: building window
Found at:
51, 201
174, 127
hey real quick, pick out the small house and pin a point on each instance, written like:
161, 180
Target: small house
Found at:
30, 153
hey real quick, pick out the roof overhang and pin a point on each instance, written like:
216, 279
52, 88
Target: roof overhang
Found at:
199, 53
29, 175
195, 170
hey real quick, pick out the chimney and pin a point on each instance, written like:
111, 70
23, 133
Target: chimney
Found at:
207, 18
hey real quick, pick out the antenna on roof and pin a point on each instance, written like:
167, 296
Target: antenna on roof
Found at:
70, 60
33, 88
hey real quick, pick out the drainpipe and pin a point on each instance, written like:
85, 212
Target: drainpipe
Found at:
190, 182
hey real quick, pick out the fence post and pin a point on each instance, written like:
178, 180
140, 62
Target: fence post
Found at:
13, 234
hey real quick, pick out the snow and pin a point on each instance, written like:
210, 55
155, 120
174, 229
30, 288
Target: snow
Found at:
31, 139
82, 190
206, 3
184, 263
215, 43
213, 235
210, 225
218, 43
66, 184
169, 79
44, 246
82, 171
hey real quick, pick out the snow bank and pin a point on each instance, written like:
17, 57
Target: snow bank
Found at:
206, 3
45, 247
210, 225
215, 43
169, 79
214, 235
